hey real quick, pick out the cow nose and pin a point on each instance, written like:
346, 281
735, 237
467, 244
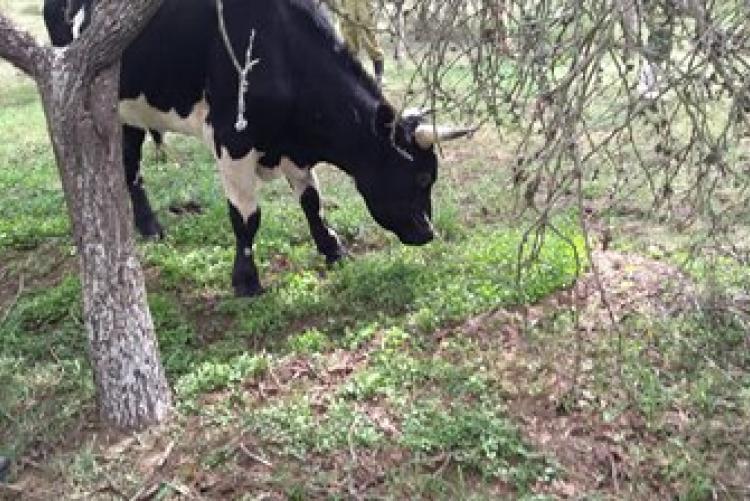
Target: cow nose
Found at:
421, 232
416, 239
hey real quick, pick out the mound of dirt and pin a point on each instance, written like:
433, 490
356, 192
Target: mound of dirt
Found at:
622, 284
550, 384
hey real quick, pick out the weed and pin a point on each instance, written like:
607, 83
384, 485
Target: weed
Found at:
359, 335
476, 437
310, 341
212, 376
84, 466
177, 340
297, 430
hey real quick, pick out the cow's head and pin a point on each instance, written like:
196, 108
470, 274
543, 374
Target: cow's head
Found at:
66, 19
397, 187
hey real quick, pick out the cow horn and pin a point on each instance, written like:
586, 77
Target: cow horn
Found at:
428, 135
419, 113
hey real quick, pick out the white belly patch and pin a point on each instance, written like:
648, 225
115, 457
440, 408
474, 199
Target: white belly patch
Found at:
240, 177
138, 113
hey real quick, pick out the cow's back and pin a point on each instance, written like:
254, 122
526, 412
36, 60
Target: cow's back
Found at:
168, 61
179, 72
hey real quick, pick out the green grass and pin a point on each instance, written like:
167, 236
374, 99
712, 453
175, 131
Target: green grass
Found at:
386, 303
372, 373
213, 344
478, 438
686, 380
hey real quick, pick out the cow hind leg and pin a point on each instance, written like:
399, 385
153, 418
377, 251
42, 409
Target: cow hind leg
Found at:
305, 185
240, 183
145, 221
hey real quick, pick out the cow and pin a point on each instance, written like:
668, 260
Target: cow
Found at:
270, 88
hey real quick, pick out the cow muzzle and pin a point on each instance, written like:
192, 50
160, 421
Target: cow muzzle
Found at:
419, 232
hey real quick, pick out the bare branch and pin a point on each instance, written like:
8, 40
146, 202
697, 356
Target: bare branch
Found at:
114, 26
20, 49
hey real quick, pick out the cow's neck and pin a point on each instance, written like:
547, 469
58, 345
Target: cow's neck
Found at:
336, 99
352, 140
339, 127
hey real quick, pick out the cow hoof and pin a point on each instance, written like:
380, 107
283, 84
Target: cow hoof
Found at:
150, 230
248, 291
4, 468
339, 257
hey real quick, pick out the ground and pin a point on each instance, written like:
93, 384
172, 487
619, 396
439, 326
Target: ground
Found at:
435, 373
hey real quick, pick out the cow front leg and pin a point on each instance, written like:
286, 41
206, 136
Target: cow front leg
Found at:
245, 280
304, 182
145, 220
240, 182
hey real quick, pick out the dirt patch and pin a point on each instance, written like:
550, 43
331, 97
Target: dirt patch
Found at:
546, 384
193, 457
24, 271
545, 388
626, 284
565, 420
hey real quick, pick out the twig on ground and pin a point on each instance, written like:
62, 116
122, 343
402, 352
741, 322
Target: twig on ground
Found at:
163, 458
13, 302
615, 474
243, 448
110, 488
31, 463
274, 377
443, 466
11, 489
148, 491
355, 461
147, 487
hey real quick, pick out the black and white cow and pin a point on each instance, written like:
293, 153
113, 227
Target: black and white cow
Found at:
306, 101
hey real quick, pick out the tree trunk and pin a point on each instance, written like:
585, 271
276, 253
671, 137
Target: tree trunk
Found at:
131, 386
79, 89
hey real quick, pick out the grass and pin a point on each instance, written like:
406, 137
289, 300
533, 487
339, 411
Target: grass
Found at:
387, 298
402, 373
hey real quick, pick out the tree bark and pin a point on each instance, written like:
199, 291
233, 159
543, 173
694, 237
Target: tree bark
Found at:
79, 88
132, 387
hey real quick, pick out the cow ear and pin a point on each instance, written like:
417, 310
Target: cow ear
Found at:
385, 119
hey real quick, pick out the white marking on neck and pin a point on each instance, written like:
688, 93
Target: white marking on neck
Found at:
78, 21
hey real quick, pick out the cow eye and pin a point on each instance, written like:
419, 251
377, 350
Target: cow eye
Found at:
424, 180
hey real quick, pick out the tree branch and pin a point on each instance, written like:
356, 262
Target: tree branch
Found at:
114, 26
20, 49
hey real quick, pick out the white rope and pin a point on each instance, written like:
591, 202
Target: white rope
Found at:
242, 70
